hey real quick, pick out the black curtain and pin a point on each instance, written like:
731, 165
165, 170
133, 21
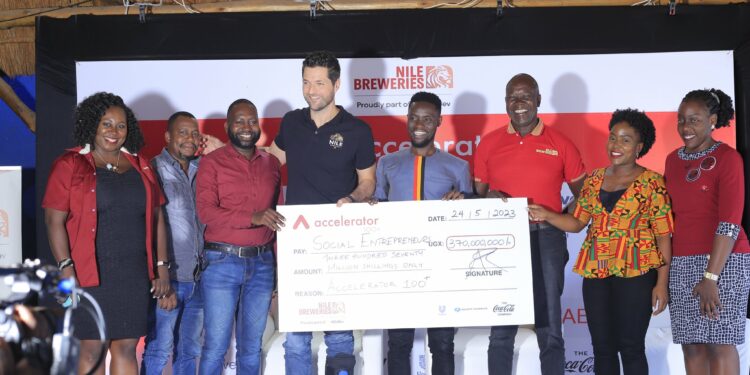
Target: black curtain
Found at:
404, 33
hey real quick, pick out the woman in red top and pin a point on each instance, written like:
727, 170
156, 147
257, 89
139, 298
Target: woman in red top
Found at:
710, 273
102, 207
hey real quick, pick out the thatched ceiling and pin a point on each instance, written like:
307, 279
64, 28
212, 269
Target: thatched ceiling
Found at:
17, 16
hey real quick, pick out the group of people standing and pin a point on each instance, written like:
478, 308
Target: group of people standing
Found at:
196, 226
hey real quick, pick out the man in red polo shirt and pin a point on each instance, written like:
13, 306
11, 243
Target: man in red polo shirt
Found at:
527, 159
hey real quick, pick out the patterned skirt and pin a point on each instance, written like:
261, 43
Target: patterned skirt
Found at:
688, 325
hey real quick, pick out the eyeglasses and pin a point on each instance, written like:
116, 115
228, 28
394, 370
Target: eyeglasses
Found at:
708, 163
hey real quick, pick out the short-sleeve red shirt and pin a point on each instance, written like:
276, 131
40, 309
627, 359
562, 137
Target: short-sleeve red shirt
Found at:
533, 166
71, 188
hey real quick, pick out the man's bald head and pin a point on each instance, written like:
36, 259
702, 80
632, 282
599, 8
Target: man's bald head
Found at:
522, 78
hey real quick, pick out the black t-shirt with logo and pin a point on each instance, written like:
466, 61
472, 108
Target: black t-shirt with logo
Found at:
322, 162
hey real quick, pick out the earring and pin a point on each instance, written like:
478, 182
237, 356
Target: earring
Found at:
713, 127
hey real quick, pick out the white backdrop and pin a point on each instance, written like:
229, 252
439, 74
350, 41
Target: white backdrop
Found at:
579, 92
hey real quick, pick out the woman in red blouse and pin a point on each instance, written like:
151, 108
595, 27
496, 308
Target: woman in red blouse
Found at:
103, 216
711, 264
625, 257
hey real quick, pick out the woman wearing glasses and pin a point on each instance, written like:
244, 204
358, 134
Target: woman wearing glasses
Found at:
710, 272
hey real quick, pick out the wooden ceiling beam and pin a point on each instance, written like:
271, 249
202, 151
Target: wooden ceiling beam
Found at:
14, 102
25, 17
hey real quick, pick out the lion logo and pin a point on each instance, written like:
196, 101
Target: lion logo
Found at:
440, 76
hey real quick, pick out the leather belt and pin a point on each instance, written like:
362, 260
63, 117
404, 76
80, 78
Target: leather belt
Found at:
240, 251
539, 225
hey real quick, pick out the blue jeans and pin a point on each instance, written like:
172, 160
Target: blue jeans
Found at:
232, 284
175, 332
549, 254
298, 354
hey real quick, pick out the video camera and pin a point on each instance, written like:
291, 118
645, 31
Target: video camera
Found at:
24, 284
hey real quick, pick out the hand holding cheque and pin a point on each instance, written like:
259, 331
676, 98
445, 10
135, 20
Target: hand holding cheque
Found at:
405, 264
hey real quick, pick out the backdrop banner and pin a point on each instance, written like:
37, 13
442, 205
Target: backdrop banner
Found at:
579, 93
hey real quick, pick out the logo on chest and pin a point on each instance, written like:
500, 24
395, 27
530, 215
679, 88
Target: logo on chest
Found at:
336, 141
547, 151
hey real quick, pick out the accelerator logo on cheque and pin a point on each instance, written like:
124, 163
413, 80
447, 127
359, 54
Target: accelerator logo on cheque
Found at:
332, 222
410, 77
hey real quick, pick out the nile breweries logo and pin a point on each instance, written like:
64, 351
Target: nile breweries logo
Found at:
4, 230
416, 77
336, 141
440, 76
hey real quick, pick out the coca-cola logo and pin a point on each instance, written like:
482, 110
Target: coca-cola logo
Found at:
504, 309
585, 365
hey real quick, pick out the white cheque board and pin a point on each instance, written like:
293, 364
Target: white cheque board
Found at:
404, 264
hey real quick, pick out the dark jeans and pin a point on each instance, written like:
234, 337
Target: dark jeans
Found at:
440, 340
549, 254
618, 311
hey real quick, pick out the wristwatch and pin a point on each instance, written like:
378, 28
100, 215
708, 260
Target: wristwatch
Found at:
711, 276
164, 263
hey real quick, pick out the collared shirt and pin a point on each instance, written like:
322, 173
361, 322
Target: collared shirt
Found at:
708, 203
533, 166
322, 161
403, 176
230, 189
185, 230
71, 188
623, 242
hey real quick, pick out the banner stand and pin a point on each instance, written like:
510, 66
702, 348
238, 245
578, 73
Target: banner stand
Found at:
10, 215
